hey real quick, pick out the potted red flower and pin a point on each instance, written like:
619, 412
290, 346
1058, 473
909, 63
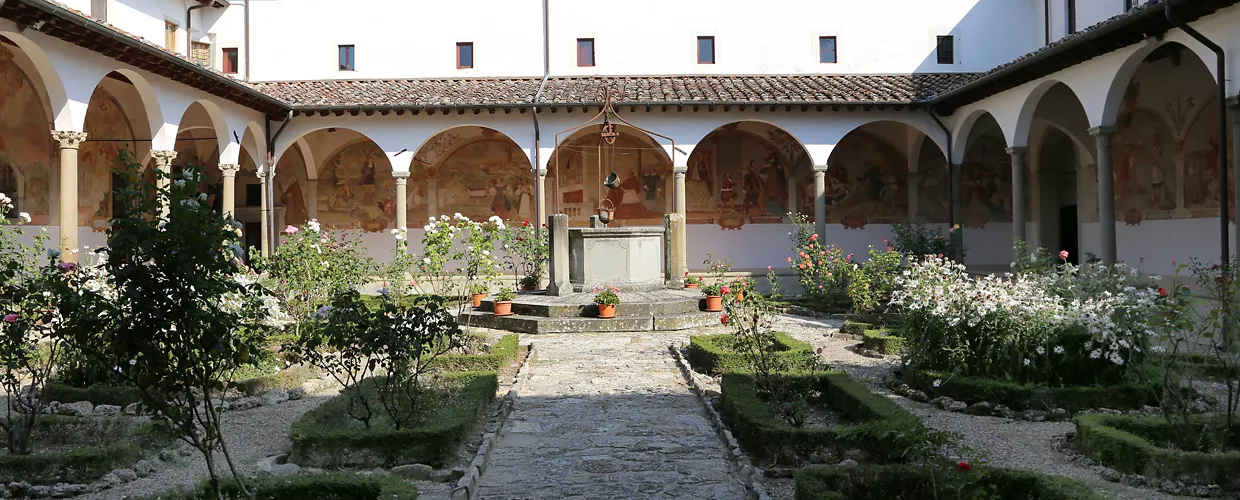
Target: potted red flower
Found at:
606, 298
692, 281
529, 283
714, 296
503, 301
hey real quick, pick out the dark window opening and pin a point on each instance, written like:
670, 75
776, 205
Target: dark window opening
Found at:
465, 55
1071, 8
253, 195
706, 50
585, 52
826, 50
946, 49
347, 62
230, 61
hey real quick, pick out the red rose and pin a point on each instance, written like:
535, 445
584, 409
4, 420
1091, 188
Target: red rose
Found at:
686, 273
724, 319
964, 466
1162, 291
526, 224
819, 350
725, 290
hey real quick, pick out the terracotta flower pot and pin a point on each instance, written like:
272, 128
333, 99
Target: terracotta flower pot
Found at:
606, 310
478, 299
503, 308
691, 285
714, 303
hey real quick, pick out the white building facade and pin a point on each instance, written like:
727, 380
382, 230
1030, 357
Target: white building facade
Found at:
994, 115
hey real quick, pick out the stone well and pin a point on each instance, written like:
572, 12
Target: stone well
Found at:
627, 257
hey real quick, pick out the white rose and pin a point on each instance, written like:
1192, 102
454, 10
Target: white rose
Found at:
25, 217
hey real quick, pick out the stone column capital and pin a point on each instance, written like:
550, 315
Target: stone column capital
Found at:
400, 176
68, 139
229, 169
1233, 102
163, 157
1015, 151
679, 170
820, 168
1103, 131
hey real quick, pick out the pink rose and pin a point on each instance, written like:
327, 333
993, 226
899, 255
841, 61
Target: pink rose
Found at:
10, 318
1063, 255
291, 229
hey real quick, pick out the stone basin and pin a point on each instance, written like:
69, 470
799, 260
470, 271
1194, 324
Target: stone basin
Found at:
630, 258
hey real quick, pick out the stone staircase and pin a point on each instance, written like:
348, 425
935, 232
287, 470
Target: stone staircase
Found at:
536, 312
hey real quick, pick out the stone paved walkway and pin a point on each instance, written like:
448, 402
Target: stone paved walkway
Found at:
607, 416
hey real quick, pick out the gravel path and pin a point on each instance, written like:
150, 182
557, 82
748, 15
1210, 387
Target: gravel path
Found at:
995, 441
251, 435
608, 416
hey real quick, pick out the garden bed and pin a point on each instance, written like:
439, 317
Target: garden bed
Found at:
331, 486
915, 482
80, 450
878, 427
328, 437
715, 355
1142, 445
498, 357
97, 394
1132, 395
1205, 365
884, 342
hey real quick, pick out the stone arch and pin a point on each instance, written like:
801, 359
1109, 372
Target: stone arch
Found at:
985, 175
578, 166
1127, 71
63, 116
215, 122
964, 129
109, 128
162, 134
26, 144
473, 170
866, 180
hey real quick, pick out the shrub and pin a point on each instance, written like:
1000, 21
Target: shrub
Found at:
1138, 445
918, 240
882, 341
330, 486
501, 354
525, 251
823, 270
883, 429
871, 283
716, 354
328, 437
97, 394
912, 482
1131, 395
855, 327
100, 445
286, 379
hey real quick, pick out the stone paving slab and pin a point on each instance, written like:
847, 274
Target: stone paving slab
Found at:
607, 416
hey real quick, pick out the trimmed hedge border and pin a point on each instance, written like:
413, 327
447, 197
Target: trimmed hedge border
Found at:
707, 355
82, 464
284, 379
1109, 440
855, 327
433, 444
884, 432
329, 486
885, 342
1204, 365
504, 351
914, 482
1033, 397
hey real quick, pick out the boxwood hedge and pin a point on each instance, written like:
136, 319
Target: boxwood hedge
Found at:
713, 354
1123, 396
503, 352
330, 486
328, 437
914, 482
855, 327
1134, 445
884, 341
883, 429
91, 448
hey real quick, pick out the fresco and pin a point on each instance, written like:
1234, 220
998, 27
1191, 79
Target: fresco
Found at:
866, 182
932, 184
25, 140
1201, 172
1144, 162
986, 182
108, 132
290, 177
354, 186
578, 168
489, 176
747, 173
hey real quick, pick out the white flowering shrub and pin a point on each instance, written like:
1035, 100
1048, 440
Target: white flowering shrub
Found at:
1061, 325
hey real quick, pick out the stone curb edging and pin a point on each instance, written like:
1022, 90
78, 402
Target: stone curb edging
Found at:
744, 470
467, 486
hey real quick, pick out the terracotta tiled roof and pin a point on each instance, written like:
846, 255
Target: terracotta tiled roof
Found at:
481, 92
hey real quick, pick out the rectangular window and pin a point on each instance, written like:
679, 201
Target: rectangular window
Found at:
826, 50
99, 10
1070, 7
170, 36
1127, 5
946, 49
706, 50
585, 52
347, 61
230, 61
200, 53
465, 55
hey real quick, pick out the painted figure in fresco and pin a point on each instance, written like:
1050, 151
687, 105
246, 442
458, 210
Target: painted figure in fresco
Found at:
501, 205
652, 187
294, 204
776, 183
702, 171
838, 186
726, 196
525, 193
343, 200
368, 178
751, 183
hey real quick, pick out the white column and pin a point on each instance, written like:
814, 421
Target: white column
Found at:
402, 203
265, 226
678, 173
68, 141
820, 200
229, 170
1106, 193
1018, 195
